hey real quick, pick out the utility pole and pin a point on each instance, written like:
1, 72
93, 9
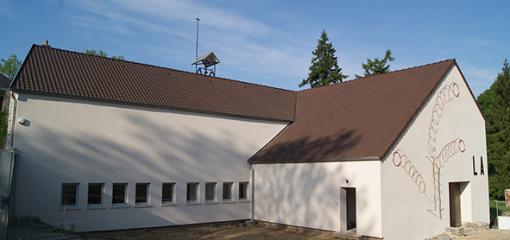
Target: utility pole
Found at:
196, 43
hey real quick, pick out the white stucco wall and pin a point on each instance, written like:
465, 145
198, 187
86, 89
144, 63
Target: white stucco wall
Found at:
308, 194
89, 142
405, 203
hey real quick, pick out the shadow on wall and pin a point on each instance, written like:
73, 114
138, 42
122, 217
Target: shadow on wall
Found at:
308, 195
147, 152
307, 149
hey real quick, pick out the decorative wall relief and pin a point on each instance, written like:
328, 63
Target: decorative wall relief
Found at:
445, 96
448, 151
401, 160
438, 158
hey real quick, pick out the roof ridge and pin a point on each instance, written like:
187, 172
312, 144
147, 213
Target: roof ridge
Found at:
378, 75
166, 68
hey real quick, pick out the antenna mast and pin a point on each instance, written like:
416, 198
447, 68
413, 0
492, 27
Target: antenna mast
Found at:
204, 64
196, 43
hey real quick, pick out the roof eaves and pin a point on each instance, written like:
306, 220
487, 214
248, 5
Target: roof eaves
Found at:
325, 160
13, 83
110, 101
263, 148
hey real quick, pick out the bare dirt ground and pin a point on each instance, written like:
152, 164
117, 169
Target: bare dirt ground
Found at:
238, 230
31, 230
256, 231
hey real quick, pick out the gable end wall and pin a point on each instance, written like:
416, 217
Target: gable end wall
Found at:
411, 191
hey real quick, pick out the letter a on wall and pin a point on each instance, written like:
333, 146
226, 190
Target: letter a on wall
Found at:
482, 171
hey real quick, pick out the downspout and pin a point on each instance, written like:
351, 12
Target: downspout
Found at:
252, 193
11, 121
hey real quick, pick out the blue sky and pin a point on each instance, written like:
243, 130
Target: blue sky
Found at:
268, 42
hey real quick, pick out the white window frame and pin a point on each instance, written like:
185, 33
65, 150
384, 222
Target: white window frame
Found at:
215, 189
247, 193
197, 192
126, 190
77, 196
231, 199
173, 201
147, 194
100, 205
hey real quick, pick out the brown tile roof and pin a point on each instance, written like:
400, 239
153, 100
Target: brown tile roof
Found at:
359, 119
60, 72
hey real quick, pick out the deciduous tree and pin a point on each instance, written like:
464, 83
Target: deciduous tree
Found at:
495, 106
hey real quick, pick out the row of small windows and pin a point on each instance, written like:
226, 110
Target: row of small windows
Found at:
95, 192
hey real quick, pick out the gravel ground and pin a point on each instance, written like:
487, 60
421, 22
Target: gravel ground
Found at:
489, 235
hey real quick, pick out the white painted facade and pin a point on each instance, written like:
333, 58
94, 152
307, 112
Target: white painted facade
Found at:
77, 141
74, 141
308, 194
405, 213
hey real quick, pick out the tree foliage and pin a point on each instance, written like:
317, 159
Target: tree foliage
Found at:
324, 69
495, 106
377, 66
10, 66
101, 53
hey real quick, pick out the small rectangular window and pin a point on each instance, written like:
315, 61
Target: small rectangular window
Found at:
69, 195
142, 193
167, 193
119, 192
95, 194
192, 192
243, 190
227, 191
210, 191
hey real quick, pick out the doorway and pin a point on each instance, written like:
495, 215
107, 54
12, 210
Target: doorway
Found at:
348, 198
455, 204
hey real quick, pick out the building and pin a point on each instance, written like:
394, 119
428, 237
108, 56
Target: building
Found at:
4, 88
107, 144
4, 82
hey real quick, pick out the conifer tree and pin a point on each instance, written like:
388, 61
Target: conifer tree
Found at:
377, 66
495, 104
324, 69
